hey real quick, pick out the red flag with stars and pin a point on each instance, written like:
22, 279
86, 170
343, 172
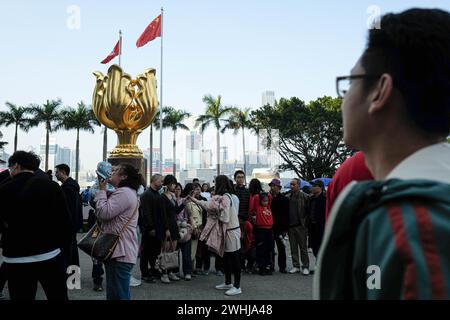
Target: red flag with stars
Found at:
113, 54
152, 31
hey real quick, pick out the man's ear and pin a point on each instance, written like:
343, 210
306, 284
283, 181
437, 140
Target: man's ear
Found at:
381, 93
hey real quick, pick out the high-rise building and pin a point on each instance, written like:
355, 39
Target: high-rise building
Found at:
193, 153
268, 97
64, 155
52, 150
4, 158
58, 155
206, 158
156, 152
223, 154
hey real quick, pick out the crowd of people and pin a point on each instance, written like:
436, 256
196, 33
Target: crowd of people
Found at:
236, 225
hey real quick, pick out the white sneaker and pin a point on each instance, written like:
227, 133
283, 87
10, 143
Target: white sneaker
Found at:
233, 291
294, 270
135, 282
187, 277
305, 271
173, 277
165, 278
224, 286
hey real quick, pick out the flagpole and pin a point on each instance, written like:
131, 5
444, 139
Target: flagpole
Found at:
120, 48
161, 100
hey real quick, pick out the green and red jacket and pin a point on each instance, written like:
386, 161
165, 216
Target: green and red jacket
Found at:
400, 229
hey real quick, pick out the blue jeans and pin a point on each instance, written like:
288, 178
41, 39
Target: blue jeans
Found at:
187, 259
118, 276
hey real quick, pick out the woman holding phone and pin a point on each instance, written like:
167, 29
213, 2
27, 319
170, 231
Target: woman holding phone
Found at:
116, 211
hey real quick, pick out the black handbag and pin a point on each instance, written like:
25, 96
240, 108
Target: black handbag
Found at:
100, 245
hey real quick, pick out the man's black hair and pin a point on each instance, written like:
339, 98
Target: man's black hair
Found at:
414, 48
169, 179
238, 172
27, 160
63, 167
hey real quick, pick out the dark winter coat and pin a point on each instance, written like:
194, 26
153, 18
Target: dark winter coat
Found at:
71, 191
280, 212
36, 216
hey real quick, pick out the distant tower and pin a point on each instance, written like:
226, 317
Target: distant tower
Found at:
268, 97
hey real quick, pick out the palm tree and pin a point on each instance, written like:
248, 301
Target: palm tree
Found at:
81, 118
173, 119
239, 119
48, 114
214, 114
2, 143
15, 116
255, 126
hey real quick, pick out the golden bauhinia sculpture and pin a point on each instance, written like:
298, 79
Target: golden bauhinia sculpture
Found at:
126, 106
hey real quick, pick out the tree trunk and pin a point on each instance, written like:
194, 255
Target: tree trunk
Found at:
105, 143
201, 157
15, 139
243, 150
151, 154
47, 141
174, 153
77, 155
218, 151
257, 147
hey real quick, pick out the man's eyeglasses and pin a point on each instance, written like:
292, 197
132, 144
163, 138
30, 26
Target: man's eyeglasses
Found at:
343, 83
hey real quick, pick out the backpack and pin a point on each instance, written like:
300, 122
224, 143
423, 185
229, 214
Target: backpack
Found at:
335, 274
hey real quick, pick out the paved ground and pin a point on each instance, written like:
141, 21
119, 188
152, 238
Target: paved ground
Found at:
255, 287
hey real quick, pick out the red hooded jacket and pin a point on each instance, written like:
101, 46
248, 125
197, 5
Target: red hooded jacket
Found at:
264, 218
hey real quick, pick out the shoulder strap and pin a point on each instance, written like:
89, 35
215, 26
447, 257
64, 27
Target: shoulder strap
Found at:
129, 220
231, 199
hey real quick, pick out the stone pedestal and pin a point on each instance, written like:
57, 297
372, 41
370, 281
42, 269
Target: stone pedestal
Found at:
139, 163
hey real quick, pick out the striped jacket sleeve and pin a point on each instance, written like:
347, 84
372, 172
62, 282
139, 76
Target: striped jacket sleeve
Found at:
402, 251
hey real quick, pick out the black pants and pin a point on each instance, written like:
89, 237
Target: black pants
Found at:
151, 248
203, 256
264, 248
24, 277
74, 257
281, 250
97, 272
248, 256
232, 265
219, 263
3, 276
315, 237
